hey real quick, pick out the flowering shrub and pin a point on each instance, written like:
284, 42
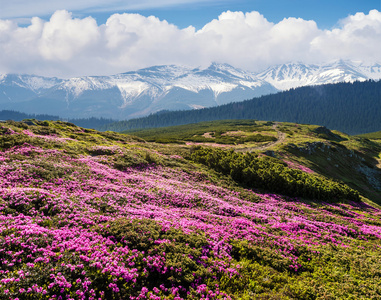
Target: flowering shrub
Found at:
78, 226
298, 167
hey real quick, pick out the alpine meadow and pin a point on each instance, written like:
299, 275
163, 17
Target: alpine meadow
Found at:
257, 210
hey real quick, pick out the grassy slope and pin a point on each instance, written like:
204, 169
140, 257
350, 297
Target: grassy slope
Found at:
86, 214
352, 160
373, 135
246, 131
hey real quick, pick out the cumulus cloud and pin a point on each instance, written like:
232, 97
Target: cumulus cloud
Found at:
64, 37
66, 46
250, 40
358, 38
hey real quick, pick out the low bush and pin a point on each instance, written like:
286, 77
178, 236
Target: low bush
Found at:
258, 172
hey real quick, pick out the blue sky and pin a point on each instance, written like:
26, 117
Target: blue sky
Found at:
98, 37
326, 13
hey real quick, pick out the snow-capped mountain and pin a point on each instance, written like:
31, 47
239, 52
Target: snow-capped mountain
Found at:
372, 71
19, 88
138, 93
293, 75
132, 94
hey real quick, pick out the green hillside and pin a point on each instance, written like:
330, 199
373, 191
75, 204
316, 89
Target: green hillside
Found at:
372, 135
214, 132
352, 160
218, 210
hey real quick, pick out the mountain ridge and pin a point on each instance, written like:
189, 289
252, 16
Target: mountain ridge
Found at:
167, 87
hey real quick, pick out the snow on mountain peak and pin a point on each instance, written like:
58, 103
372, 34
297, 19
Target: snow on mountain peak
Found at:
37, 83
370, 70
289, 75
165, 71
31, 82
76, 86
228, 70
292, 75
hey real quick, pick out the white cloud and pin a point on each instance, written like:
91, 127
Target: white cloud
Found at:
249, 40
358, 38
63, 37
133, 40
67, 46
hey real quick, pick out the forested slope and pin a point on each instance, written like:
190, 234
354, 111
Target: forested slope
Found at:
83, 122
352, 108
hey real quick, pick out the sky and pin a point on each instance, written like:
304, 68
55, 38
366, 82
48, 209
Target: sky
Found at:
68, 38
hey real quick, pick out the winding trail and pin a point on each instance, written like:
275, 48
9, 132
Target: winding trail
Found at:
281, 138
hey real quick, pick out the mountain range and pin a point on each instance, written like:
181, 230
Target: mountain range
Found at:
166, 88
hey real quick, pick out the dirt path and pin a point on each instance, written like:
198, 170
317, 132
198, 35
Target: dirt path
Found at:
281, 138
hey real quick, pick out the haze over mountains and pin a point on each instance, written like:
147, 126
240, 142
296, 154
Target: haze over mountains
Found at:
158, 88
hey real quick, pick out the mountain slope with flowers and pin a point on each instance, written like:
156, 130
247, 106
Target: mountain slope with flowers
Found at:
99, 215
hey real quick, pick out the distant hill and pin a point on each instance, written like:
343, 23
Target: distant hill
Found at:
372, 135
19, 116
353, 108
83, 122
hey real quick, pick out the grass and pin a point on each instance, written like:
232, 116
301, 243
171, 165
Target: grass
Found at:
354, 160
339, 159
229, 132
372, 136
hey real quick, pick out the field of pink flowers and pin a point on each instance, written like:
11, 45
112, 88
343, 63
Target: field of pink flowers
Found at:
84, 226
